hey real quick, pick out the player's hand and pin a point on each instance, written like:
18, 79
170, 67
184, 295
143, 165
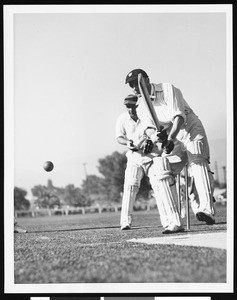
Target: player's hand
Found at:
168, 146
131, 146
160, 136
147, 146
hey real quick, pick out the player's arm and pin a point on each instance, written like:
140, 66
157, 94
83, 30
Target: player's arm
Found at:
150, 131
120, 135
177, 124
125, 141
122, 140
168, 145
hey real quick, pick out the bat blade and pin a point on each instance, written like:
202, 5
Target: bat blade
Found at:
146, 98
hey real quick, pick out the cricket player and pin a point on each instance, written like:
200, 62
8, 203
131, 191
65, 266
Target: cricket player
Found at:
182, 126
144, 158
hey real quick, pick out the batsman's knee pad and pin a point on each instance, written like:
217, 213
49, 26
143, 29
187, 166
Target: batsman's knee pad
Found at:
167, 192
163, 171
133, 175
129, 196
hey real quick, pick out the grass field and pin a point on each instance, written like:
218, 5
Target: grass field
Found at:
91, 248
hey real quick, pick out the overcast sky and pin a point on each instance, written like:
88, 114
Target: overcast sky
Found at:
69, 81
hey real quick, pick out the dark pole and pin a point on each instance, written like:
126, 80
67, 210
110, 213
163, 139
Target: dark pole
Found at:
217, 174
224, 171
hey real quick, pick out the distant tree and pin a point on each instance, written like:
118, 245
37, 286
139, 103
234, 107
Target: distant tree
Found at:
47, 196
73, 196
112, 167
145, 189
93, 188
20, 202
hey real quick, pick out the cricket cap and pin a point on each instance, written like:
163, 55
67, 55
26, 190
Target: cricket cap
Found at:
134, 74
130, 99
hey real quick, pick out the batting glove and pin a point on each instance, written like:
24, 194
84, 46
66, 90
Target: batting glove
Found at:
160, 136
148, 146
168, 146
131, 146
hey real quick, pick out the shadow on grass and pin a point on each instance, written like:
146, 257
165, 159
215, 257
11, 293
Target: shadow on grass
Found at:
203, 223
73, 229
207, 228
97, 228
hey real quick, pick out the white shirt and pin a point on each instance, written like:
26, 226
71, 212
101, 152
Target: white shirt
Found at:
126, 127
168, 102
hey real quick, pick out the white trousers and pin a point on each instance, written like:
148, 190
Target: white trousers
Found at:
193, 140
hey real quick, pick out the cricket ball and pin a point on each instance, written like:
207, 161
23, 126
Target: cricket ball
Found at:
48, 166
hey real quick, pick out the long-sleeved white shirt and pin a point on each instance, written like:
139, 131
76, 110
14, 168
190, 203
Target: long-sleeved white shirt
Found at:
169, 102
126, 127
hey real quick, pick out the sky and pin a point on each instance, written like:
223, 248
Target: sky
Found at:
69, 81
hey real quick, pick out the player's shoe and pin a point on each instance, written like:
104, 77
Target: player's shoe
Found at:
19, 229
175, 229
202, 217
125, 226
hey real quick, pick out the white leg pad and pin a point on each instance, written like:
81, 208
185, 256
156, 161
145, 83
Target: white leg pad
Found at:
194, 202
202, 176
198, 153
193, 197
167, 197
129, 196
162, 212
133, 176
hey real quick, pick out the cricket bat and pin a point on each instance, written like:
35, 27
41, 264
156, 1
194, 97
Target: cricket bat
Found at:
146, 98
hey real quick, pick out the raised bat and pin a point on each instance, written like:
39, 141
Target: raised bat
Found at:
147, 101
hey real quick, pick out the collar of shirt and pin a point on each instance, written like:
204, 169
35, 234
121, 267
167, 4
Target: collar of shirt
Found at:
155, 88
131, 119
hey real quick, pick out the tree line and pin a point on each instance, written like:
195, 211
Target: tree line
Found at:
106, 188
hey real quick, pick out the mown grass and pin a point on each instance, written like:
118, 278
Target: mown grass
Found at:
92, 249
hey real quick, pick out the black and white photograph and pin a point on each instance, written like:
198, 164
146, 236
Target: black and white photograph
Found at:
118, 137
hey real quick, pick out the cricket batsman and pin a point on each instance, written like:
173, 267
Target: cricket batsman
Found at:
183, 128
